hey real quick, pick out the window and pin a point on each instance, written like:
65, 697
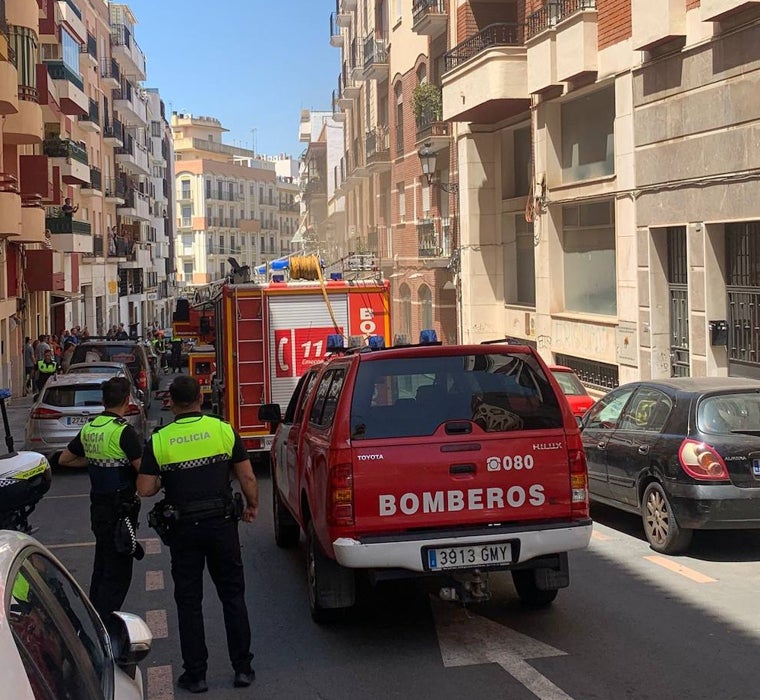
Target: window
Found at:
326, 401
185, 189
188, 270
399, 94
648, 410
219, 190
187, 241
729, 414
208, 189
155, 129
401, 190
222, 273
221, 243
519, 261
187, 215
606, 412
516, 164
426, 306
261, 195
232, 244
405, 299
58, 636
251, 190
70, 51
588, 136
588, 241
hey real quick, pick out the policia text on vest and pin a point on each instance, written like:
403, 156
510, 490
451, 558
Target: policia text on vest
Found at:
190, 459
111, 450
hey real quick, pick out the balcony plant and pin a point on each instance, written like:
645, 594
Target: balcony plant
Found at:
427, 103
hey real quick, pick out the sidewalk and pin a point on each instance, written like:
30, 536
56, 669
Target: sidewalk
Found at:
18, 408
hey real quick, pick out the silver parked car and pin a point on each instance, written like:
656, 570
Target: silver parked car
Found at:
52, 642
65, 404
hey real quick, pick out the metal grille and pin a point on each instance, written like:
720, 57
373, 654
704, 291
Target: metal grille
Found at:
743, 290
597, 375
678, 276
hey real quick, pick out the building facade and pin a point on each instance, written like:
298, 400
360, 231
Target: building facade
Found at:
73, 110
230, 203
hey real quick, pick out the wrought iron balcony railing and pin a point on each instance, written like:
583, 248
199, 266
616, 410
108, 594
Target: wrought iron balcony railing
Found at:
64, 148
501, 34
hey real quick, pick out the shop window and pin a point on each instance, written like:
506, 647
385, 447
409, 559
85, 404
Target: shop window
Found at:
588, 136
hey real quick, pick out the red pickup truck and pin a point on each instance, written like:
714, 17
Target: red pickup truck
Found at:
438, 461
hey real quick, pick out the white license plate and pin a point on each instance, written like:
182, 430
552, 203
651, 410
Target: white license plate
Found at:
473, 555
77, 420
267, 442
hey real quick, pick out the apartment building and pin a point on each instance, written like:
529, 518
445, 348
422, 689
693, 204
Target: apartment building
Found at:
389, 99
71, 72
229, 203
608, 181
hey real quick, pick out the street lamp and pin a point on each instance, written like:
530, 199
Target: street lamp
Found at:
428, 160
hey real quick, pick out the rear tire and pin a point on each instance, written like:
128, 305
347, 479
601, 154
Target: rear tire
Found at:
662, 530
287, 531
530, 594
326, 578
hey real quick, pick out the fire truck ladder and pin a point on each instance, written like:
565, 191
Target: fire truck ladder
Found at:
249, 334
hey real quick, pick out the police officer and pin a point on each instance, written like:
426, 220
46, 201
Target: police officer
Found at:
176, 348
190, 459
159, 345
46, 368
111, 450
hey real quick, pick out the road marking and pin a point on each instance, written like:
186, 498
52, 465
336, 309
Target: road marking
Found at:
160, 683
467, 639
72, 495
156, 620
70, 545
154, 580
599, 536
680, 569
152, 545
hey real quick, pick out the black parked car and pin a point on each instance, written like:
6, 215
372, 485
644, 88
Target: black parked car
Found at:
684, 453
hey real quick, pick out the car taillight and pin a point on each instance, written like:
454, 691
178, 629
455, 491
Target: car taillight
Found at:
578, 476
701, 461
142, 380
45, 413
341, 496
133, 410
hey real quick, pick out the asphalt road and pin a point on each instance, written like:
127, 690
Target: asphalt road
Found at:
633, 624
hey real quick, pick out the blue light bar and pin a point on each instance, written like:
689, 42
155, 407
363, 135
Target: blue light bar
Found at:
428, 337
279, 264
336, 276
278, 278
376, 342
335, 342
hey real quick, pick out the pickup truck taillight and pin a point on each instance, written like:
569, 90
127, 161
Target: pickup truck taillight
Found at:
341, 495
578, 477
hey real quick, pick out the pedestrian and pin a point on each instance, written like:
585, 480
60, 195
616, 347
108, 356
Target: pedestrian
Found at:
111, 450
176, 348
29, 363
67, 209
42, 346
68, 353
190, 459
159, 345
121, 334
46, 368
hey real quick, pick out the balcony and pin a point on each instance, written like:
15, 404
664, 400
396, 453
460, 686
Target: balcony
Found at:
136, 205
71, 16
315, 187
718, 10
115, 190
338, 114
32, 225
375, 57
429, 17
91, 121
431, 243
8, 88
336, 37
26, 126
88, 52
130, 106
113, 133
70, 88
577, 46
69, 235
657, 23
10, 206
541, 43
70, 157
127, 53
95, 189
344, 102
485, 78
377, 146
110, 73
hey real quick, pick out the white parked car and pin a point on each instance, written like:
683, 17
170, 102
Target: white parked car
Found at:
52, 642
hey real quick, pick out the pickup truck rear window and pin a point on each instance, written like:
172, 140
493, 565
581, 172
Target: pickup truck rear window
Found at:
402, 397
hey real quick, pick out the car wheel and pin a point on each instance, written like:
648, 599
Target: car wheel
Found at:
660, 525
325, 578
530, 594
287, 531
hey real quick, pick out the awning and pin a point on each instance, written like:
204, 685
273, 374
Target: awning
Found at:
66, 297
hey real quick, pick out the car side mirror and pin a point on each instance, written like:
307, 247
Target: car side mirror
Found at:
131, 640
579, 421
270, 413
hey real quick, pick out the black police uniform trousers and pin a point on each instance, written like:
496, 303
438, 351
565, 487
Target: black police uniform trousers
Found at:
111, 570
214, 541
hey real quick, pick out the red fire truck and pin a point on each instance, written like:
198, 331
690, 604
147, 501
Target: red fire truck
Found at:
268, 334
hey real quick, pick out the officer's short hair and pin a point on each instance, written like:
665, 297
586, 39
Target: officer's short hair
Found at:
115, 391
184, 390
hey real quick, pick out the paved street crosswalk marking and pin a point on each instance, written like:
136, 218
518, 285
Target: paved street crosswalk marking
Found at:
68, 495
160, 683
156, 620
680, 569
596, 535
152, 545
70, 545
154, 580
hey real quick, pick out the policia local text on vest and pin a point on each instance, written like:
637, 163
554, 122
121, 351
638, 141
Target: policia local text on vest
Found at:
111, 450
191, 459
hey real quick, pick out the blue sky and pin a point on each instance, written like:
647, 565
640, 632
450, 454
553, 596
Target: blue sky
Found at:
254, 64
